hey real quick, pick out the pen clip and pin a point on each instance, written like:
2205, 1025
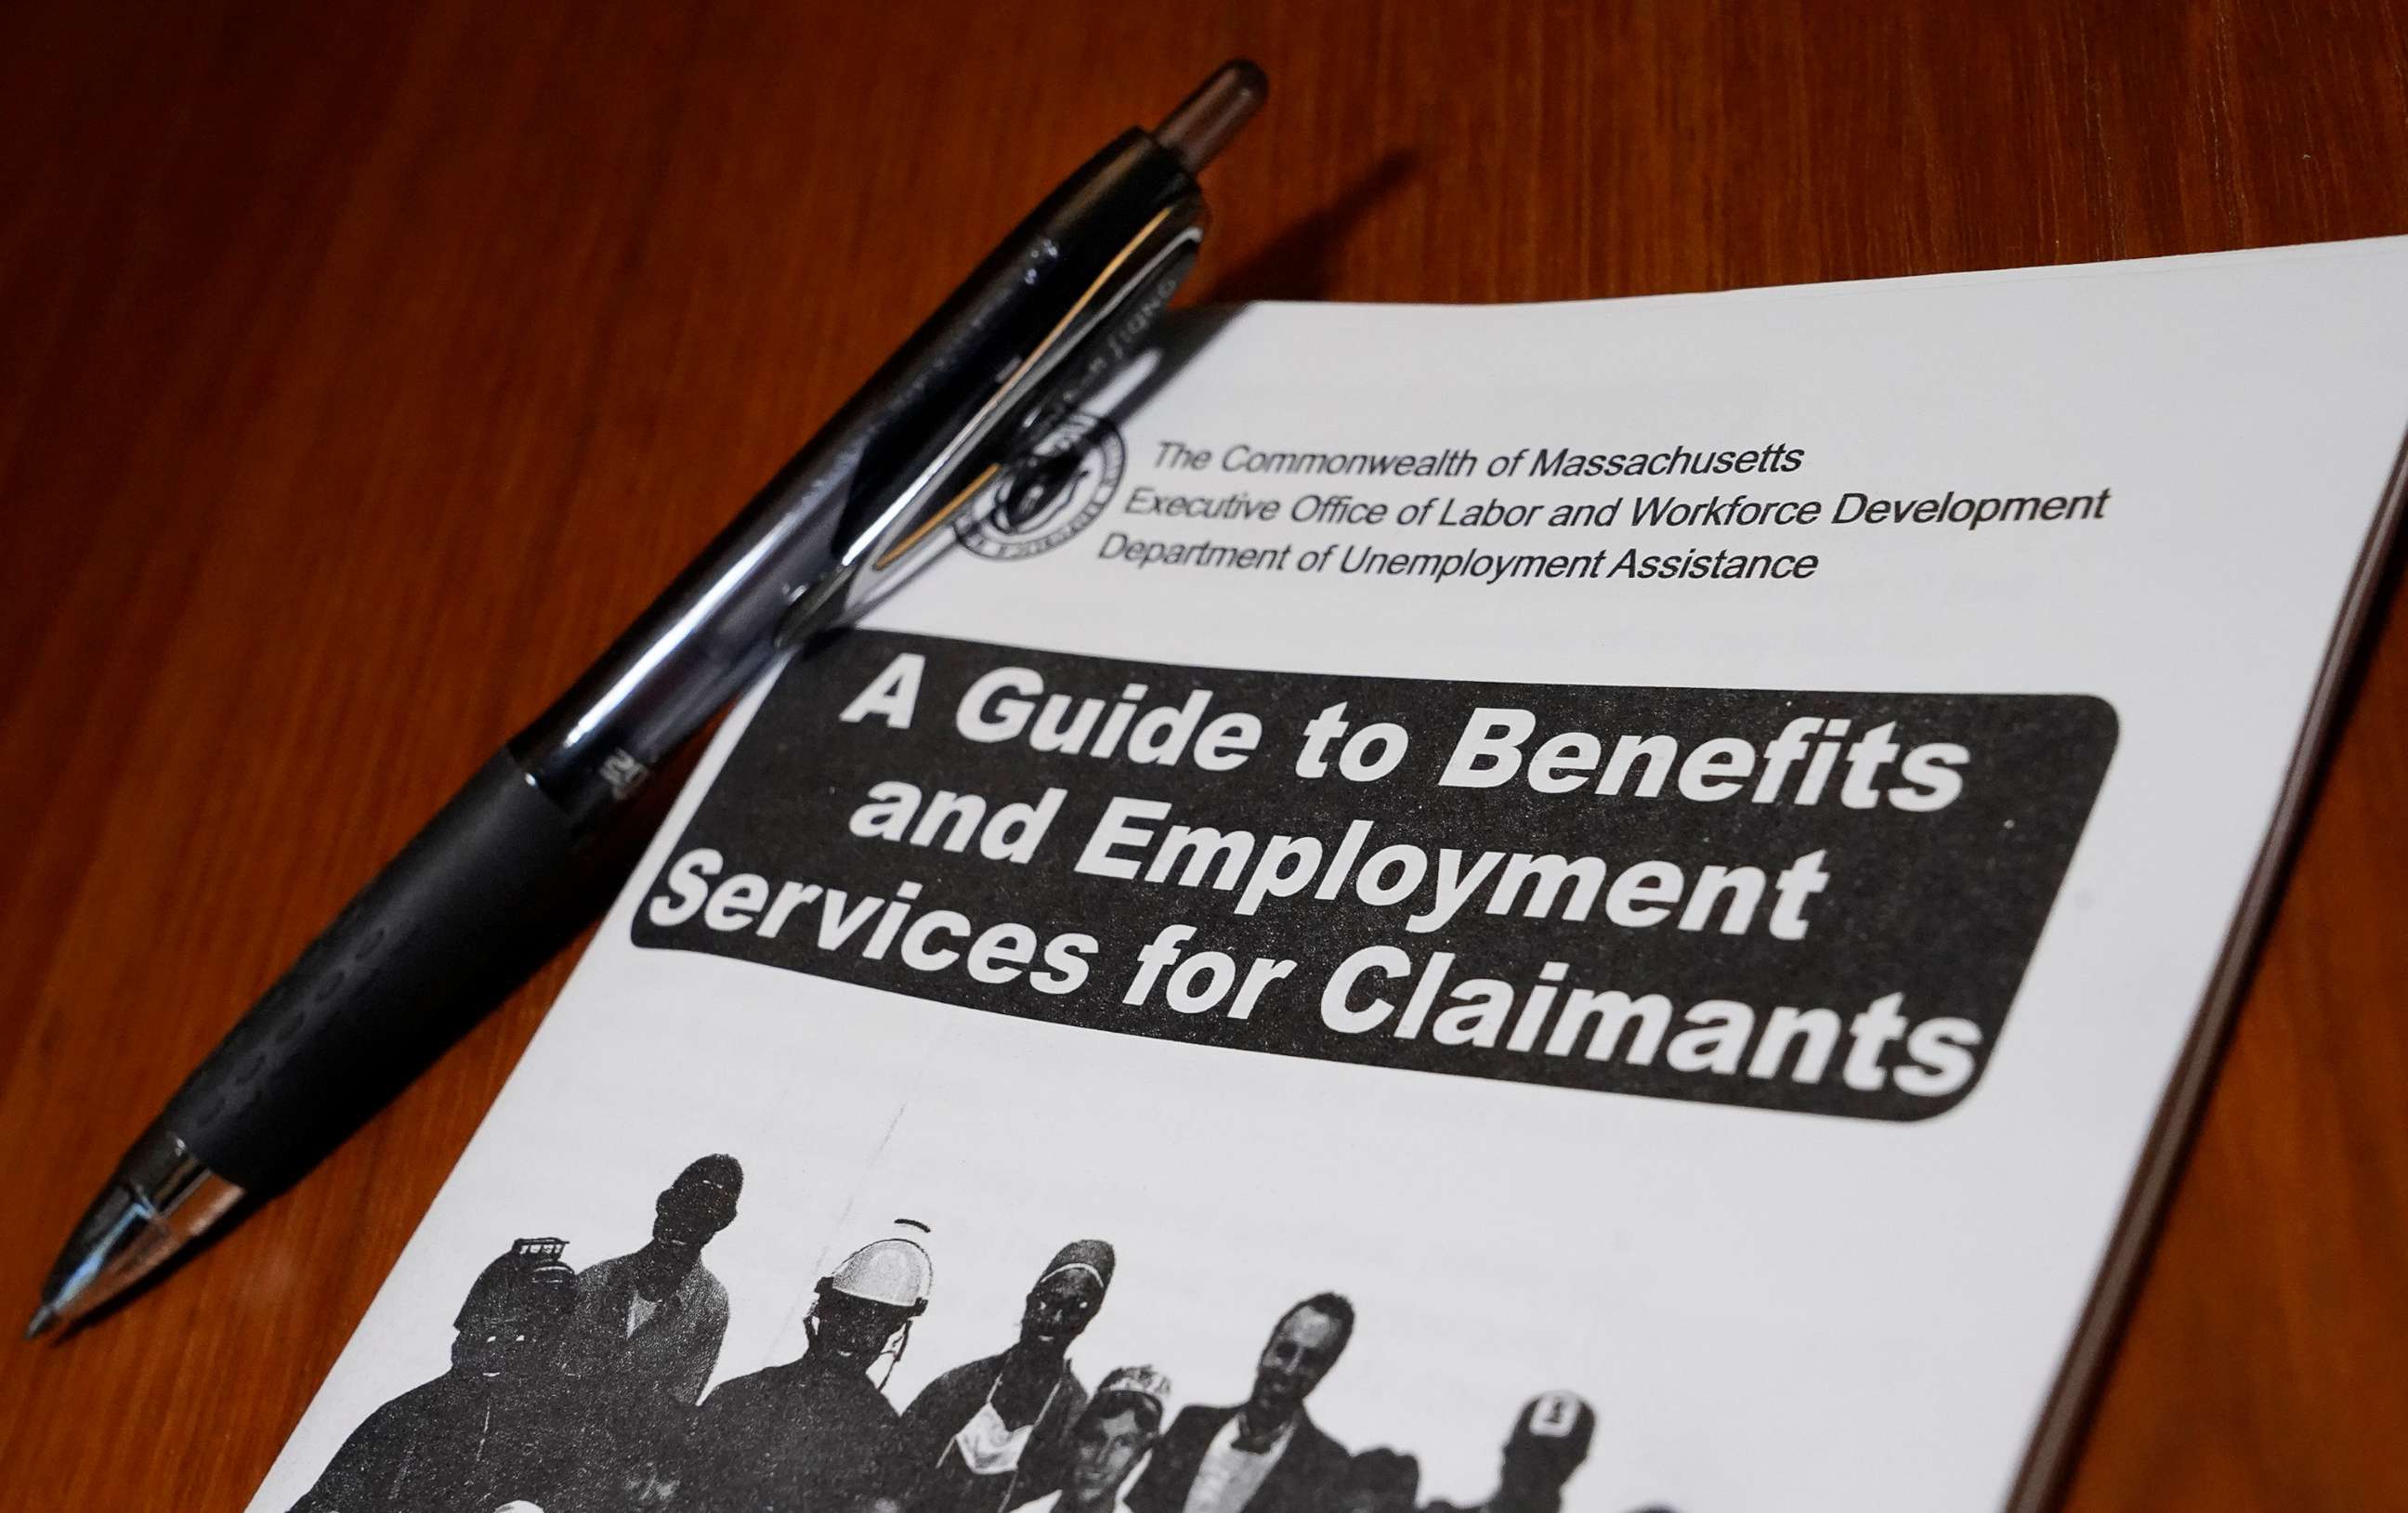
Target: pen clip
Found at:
1092, 340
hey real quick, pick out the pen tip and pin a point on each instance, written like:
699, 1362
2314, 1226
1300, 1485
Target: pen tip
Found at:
44, 1317
1204, 122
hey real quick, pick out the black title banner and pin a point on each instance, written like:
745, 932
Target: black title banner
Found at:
1815, 902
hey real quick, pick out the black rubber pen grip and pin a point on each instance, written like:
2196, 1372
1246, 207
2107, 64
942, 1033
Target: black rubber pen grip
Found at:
403, 971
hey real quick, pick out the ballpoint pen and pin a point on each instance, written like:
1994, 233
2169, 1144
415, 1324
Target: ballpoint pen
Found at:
1051, 313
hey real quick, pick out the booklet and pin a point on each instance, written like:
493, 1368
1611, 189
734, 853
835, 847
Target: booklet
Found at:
1611, 905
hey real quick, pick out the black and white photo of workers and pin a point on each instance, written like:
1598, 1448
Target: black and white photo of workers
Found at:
995, 1432
487, 1432
1549, 1440
1120, 1425
809, 1436
1265, 1455
583, 1392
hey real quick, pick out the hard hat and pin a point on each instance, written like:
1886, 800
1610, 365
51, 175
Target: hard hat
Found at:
531, 1280
895, 1272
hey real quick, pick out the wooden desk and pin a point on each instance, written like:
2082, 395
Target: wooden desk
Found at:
363, 367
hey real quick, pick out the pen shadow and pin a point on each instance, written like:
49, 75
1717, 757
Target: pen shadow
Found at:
1301, 263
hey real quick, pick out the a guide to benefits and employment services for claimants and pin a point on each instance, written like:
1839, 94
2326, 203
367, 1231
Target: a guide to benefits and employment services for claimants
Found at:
1664, 853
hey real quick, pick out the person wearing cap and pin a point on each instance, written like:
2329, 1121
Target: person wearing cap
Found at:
809, 1436
1265, 1455
995, 1432
1112, 1435
488, 1431
1549, 1440
649, 1323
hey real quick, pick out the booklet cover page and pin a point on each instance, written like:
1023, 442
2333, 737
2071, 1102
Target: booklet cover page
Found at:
1539, 908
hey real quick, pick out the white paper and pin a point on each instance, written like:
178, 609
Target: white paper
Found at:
1768, 1309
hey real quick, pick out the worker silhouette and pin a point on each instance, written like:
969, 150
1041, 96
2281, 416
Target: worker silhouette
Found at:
1379, 1482
489, 1430
809, 1436
648, 1324
1549, 1440
1265, 1455
647, 1329
995, 1432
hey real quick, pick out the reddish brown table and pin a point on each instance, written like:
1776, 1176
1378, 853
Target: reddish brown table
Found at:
363, 367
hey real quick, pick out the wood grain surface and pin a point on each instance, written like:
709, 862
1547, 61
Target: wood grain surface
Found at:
363, 367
